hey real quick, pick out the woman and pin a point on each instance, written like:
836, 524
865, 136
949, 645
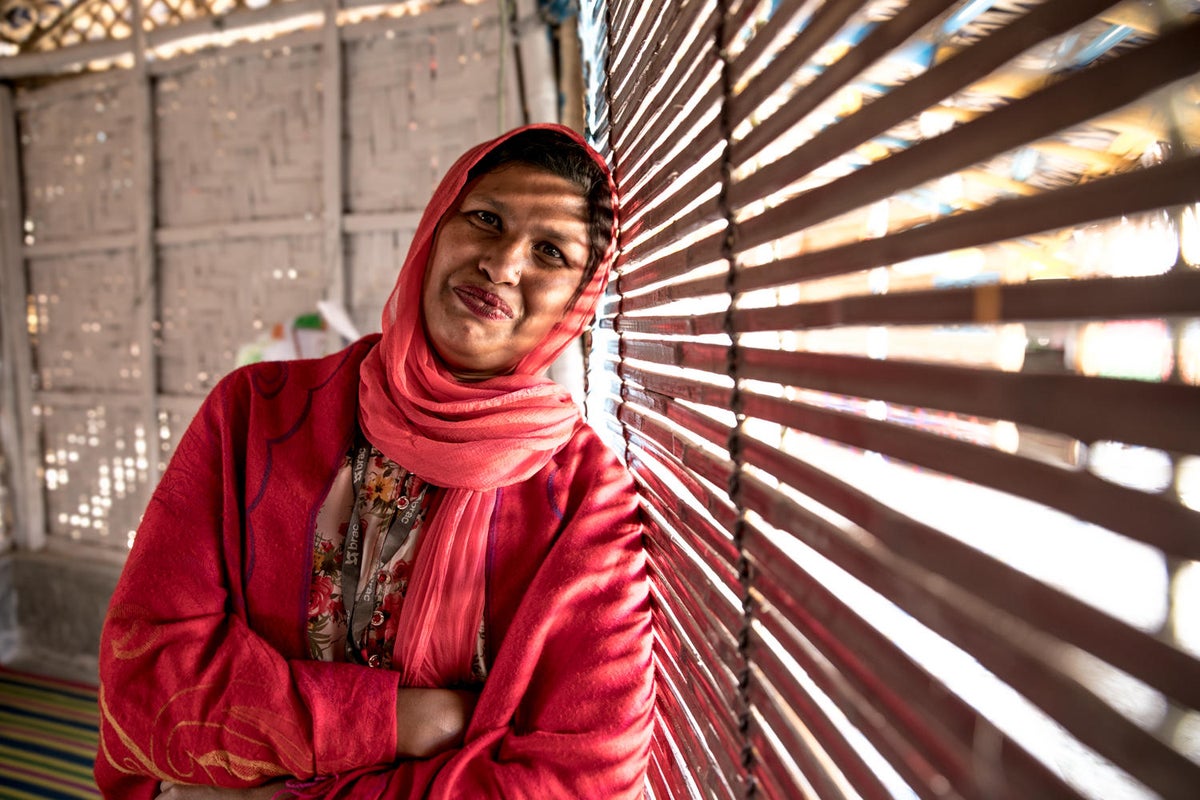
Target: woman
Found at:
423, 501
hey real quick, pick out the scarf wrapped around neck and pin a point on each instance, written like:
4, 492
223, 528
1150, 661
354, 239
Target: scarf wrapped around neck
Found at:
471, 438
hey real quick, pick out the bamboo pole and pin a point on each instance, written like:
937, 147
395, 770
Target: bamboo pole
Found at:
21, 432
145, 268
333, 168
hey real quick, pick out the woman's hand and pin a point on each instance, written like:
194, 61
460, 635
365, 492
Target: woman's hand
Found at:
178, 791
430, 721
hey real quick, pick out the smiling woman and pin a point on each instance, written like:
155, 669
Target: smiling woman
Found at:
408, 569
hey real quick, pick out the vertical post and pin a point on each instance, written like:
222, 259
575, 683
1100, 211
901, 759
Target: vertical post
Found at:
20, 437
536, 64
570, 84
332, 152
145, 261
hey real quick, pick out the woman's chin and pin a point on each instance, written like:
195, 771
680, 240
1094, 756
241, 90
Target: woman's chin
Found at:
466, 370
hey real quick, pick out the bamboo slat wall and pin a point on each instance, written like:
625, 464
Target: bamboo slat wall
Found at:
904, 354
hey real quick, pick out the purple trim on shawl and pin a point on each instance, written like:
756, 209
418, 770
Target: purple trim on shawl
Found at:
249, 556
268, 382
558, 512
489, 643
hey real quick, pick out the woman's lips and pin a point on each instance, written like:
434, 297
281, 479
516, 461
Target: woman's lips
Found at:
483, 303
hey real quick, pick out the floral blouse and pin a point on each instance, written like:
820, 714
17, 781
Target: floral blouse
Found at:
387, 488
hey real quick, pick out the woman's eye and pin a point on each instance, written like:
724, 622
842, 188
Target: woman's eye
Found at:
553, 252
487, 218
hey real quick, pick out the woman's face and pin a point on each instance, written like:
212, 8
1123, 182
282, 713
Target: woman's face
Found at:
505, 264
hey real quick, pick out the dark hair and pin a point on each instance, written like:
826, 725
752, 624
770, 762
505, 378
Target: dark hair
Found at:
561, 155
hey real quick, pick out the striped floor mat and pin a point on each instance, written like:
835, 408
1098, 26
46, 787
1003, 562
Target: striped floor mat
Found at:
47, 738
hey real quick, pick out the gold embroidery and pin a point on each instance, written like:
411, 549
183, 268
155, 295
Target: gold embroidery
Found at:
261, 730
243, 768
127, 646
143, 764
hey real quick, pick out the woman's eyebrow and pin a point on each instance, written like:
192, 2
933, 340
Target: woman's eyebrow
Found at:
543, 228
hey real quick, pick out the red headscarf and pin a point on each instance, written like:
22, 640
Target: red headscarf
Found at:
471, 438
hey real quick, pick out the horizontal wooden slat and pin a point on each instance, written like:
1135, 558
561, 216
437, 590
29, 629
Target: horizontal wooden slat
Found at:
785, 698
700, 599
710, 761
689, 419
700, 761
809, 759
772, 781
673, 265
826, 21
654, 442
718, 549
1137, 653
674, 87
1171, 184
882, 39
678, 443
738, 14
1001, 643
1072, 101
666, 127
662, 167
877, 727
635, 48
650, 78
686, 630
912, 97
1172, 294
656, 780
667, 781
709, 679
924, 730
667, 324
665, 211
620, 16
1150, 518
1088, 409
679, 387
703, 215
708, 658
780, 20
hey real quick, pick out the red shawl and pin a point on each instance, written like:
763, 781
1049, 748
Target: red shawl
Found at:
469, 437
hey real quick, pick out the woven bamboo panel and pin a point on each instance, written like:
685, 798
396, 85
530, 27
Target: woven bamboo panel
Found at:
84, 337
417, 96
239, 139
374, 260
96, 463
77, 155
217, 296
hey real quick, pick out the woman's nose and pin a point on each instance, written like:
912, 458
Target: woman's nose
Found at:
503, 264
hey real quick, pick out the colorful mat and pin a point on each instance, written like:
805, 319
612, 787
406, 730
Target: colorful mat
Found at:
47, 738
